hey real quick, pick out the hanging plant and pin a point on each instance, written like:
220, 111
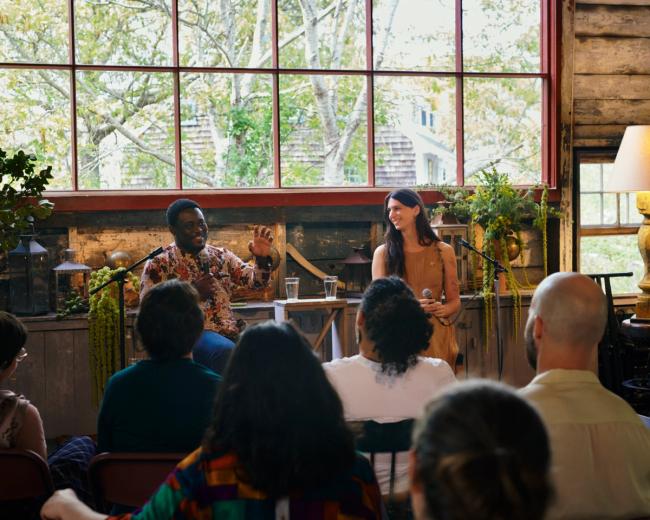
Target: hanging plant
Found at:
104, 334
500, 210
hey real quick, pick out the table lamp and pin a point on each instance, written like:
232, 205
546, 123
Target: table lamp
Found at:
632, 173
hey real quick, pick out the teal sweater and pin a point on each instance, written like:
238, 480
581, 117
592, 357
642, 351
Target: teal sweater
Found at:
157, 406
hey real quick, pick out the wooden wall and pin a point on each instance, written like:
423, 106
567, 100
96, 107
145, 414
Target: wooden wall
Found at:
611, 69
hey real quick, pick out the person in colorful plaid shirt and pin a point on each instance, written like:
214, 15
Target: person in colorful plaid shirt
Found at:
214, 272
277, 448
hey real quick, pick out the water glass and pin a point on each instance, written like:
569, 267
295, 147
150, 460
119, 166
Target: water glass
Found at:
291, 285
330, 287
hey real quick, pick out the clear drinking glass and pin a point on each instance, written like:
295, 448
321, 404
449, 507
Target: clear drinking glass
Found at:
291, 285
330, 283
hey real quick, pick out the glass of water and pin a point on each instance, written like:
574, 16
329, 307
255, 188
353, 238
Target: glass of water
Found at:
330, 287
291, 285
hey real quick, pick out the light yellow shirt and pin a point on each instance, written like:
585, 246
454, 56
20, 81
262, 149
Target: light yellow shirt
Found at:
600, 447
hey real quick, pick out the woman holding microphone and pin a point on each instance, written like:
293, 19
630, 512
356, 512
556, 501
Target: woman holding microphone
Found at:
414, 252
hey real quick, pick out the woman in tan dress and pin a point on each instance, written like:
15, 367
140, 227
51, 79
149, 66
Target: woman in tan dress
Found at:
414, 252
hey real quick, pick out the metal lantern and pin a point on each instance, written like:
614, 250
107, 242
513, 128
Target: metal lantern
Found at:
29, 278
448, 229
70, 278
356, 273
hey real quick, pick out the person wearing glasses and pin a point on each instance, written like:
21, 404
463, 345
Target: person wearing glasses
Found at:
20, 423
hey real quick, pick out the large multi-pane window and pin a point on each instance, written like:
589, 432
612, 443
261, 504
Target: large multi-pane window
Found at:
608, 224
204, 94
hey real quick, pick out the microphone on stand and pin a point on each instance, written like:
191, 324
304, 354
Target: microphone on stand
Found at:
426, 293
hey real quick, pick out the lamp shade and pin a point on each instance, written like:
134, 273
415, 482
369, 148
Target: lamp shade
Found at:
632, 164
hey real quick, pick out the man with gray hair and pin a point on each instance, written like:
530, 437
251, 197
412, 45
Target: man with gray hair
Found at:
600, 447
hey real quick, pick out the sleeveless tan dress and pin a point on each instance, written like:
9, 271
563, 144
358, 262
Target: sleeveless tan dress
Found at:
425, 270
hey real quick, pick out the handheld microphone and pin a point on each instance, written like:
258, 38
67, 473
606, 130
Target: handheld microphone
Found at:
426, 293
203, 259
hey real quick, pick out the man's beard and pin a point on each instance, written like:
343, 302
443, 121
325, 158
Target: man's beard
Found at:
531, 350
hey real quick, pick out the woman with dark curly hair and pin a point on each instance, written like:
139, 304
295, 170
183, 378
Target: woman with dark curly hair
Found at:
480, 451
414, 252
277, 446
388, 381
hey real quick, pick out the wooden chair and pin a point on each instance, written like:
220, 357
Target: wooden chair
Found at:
129, 479
25, 483
373, 438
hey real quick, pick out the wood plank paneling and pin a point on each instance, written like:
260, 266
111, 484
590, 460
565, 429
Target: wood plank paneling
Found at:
612, 55
613, 2
611, 111
611, 86
86, 413
598, 135
59, 413
600, 20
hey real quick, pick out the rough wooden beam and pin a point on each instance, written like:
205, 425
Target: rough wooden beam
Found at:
611, 112
613, 2
612, 55
565, 175
597, 135
607, 20
611, 86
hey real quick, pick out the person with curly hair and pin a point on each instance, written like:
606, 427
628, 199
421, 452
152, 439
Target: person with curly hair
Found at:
388, 381
482, 452
414, 252
277, 446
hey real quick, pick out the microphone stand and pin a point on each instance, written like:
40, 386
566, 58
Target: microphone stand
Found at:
120, 278
498, 268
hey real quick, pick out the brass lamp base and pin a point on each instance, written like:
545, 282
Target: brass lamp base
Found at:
643, 302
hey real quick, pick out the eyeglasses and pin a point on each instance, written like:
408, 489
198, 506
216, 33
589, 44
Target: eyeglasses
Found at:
22, 354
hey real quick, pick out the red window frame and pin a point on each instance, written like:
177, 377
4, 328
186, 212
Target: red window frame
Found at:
93, 200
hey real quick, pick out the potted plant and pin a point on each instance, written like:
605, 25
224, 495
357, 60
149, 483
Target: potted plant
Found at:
21, 186
501, 211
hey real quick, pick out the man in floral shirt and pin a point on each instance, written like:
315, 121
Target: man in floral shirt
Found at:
214, 272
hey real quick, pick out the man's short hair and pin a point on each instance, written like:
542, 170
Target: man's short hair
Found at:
176, 207
170, 320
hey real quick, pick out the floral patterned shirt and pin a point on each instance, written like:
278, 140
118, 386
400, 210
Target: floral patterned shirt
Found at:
228, 269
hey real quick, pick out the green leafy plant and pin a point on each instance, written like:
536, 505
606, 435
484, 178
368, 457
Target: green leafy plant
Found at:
21, 186
501, 210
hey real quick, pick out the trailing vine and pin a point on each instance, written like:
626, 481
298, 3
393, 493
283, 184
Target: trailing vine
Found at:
104, 336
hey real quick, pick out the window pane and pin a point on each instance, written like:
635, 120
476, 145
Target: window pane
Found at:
224, 34
591, 210
317, 34
415, 131
591, 177
503, 127
414, 34
34, 31
610, 209
226, 130
35, 110
125, 130
629, 212
613, 254
323, 130
501, 36
129, 32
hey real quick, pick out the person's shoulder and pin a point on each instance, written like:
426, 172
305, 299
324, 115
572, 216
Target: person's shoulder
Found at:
431, 363
345, 363
203, 372
380, 250
445, 249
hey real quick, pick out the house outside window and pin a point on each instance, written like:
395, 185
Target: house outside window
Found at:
211, 95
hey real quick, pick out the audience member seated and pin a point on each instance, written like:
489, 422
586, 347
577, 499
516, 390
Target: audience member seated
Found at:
388, 381
20, 422
277, 447
163, 403
601, 449
480, 452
